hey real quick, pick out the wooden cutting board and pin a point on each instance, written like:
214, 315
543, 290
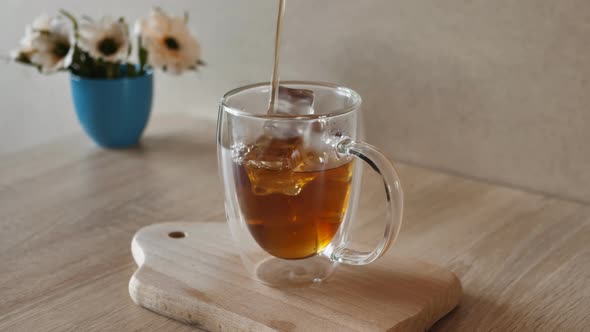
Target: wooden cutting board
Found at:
190, 272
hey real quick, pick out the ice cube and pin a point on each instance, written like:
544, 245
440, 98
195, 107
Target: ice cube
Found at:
294, 101
239, 152
274, 154
290, 102
271, 165
320, 146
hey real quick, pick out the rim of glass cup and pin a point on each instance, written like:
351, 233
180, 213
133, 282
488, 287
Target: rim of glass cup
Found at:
340, 111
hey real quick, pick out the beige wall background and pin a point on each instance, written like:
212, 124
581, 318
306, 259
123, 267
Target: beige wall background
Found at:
497, 90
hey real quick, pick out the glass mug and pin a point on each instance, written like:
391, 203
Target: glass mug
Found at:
291, 183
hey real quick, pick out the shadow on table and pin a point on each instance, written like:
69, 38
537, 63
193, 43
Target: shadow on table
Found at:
177, 146
174, 143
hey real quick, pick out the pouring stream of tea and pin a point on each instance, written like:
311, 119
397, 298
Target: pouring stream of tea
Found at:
274, 88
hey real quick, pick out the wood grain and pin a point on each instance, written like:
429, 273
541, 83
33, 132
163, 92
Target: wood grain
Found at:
68, 211
199, 279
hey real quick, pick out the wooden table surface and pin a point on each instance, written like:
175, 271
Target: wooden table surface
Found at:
68, 211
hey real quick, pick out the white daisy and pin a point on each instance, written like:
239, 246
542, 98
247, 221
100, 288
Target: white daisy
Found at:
106, 39
169, 42
48, 43
41, 24
25, 50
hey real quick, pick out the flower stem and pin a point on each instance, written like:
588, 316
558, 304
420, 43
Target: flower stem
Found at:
72, 18
142, 55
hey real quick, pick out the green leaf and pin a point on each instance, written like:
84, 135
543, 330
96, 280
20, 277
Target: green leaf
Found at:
131, 70
82, 64
72, 19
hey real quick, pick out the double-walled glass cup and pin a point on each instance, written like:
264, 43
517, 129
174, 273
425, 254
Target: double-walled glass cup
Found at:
291, 183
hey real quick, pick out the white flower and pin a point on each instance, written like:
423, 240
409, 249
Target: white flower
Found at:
169, 42
106, 39
41, 24
25, 50
48, 44
26, 43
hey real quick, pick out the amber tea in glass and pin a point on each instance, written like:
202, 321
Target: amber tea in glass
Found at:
291, 209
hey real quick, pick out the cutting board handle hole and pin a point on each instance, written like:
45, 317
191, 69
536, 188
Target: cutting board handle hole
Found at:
177, 235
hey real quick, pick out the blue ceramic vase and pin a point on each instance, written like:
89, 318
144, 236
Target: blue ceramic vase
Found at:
113, 112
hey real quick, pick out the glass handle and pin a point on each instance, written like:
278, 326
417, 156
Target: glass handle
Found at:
393, 193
